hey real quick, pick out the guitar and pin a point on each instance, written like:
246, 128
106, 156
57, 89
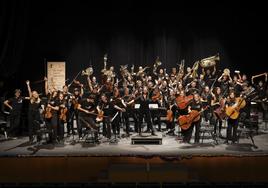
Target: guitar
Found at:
240, 102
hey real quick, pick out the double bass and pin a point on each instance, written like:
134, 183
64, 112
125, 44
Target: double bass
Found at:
185, 121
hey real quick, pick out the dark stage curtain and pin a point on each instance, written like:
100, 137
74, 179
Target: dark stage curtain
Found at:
13, 27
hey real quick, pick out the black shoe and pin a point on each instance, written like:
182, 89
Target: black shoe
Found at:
226, 142
153, 134
148, 130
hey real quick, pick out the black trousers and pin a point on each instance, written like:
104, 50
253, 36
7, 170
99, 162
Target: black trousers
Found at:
34, 120
106, 129
70, 125
147, 116
217, 121
52, 125
61, 130
89, 123
116, 124
156, 115
232, 125
15, 119
187, 134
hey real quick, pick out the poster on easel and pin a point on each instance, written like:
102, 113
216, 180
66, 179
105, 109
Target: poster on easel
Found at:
56, 74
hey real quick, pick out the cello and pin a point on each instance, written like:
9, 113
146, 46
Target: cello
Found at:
185, 121
183, 101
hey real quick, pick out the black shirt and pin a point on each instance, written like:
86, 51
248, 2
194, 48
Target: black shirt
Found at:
196, 106
87, 105
16, 103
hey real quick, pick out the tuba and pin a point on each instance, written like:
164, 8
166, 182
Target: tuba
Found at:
209, 61
87, 72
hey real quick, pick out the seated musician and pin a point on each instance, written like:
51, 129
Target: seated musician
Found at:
187, 134
232, 124
86, 116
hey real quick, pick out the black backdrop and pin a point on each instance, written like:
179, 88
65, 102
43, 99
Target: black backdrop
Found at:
131, 32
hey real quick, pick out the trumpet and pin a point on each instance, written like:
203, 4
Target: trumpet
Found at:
209, 61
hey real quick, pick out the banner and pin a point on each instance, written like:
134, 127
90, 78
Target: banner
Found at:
56, 74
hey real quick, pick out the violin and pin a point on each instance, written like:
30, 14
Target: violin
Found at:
100, 116
170, 114
63, 112
183, 101
156, 97
48, 113
220, 111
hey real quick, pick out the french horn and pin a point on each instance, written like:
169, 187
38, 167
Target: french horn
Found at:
209, 61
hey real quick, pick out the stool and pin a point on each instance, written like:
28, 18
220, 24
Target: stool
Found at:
209, 130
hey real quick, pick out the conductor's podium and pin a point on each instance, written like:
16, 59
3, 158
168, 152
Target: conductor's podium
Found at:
147, 138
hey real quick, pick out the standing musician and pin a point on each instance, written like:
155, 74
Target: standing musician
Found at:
86, 117
217, 103
155, 99
73, 109
15, 106
68, 99
104, 114
225, 80
34, 116
232, 124
144, 111
117, 108
206, 98
62, 103
171, 112
51, 116
128, 102
187, 134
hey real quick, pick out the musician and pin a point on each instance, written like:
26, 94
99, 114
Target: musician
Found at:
171, 106
206, 98
188, 78
192, 88
155, 99
86, 117
62, 103
105, 106
68, 98
225, 81
217, 97
117, 108
73, 110
187, 134
209, 76
15, 106
201, 82
144, 111
261, 89
52, 108
232, 124
236, 85
34, 116
128, 102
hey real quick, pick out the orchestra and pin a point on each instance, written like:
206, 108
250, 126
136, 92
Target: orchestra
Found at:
183, 98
